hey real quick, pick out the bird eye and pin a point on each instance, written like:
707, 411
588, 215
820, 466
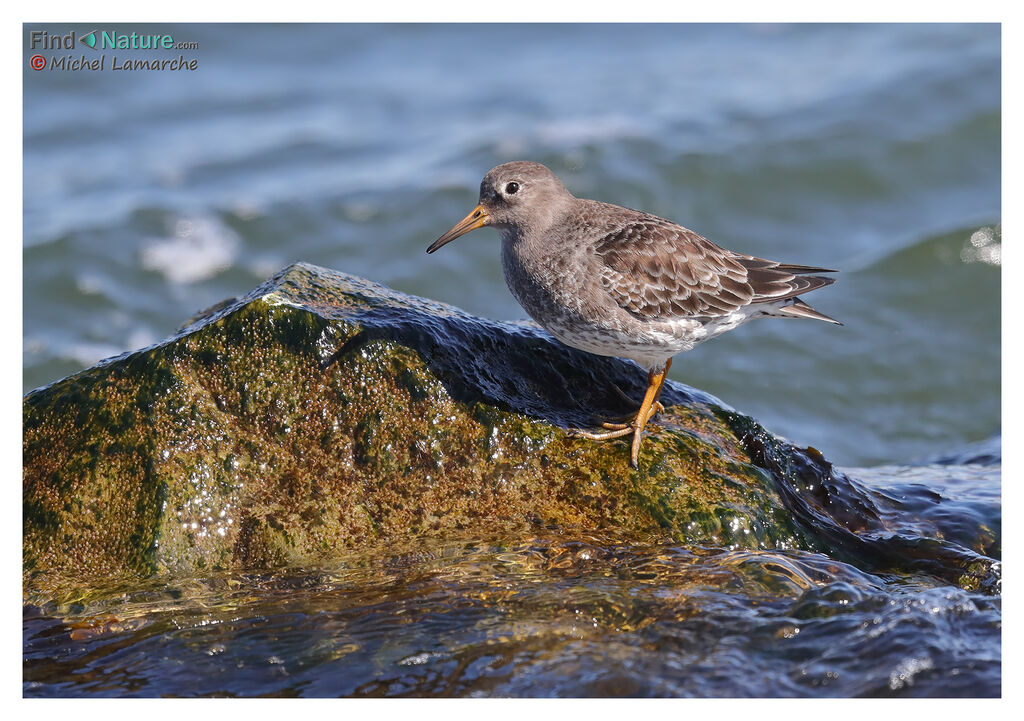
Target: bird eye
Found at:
512, 188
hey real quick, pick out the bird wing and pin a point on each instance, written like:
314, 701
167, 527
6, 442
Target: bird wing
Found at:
656, 269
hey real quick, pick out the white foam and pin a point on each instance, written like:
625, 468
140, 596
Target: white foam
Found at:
984, 246
198, 248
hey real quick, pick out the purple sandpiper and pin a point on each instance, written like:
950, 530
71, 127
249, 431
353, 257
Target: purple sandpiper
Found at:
619, 282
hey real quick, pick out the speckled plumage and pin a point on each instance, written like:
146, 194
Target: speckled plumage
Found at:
619, 282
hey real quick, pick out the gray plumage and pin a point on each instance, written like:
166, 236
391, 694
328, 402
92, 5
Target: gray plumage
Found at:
621, 282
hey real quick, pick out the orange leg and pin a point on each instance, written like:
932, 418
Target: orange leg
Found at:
649, 406
614, 423
656, 379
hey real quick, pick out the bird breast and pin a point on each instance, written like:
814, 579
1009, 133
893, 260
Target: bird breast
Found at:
546, 284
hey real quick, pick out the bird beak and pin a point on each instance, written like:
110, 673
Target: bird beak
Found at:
477, 218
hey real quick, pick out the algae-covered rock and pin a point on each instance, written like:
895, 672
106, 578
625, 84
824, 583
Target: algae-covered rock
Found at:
322, 413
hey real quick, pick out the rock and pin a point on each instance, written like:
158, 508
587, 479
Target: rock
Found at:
322, 413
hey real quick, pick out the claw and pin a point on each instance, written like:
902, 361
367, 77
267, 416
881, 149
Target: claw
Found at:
634, 424
626, 419
607, 435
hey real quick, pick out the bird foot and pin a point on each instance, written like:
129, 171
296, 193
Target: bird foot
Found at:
614, 429
626, 420
635, 427
606, 435
627, 430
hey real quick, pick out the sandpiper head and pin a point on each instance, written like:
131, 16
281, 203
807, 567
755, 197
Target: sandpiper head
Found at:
514, 195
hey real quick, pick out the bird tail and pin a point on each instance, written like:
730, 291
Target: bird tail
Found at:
799, 309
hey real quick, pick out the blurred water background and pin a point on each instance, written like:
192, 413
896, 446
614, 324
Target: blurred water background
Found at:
873, 149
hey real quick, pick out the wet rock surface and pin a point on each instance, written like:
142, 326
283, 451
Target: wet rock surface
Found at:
322, 414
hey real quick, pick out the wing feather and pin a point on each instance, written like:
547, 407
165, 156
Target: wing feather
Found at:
656, 269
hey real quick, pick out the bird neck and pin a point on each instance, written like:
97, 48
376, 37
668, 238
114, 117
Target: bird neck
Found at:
534, 228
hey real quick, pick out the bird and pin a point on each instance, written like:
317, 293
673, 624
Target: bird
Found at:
614, 281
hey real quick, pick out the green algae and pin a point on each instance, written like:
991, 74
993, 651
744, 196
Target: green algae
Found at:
312, 417
323, 414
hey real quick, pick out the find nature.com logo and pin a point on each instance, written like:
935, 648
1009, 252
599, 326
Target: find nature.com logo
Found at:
101, 40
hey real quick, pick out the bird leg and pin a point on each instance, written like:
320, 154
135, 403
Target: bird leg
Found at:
625, 420
622, 394
649, 406
622, 420
655, 379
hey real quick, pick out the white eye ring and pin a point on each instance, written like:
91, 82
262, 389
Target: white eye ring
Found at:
511, 188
